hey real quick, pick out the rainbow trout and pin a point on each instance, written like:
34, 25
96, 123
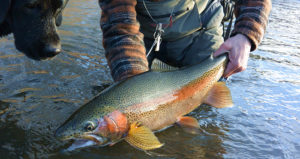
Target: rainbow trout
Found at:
135, 108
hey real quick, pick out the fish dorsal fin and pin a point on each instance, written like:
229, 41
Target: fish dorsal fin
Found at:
219, 96
142, 137
189, 124
158, 65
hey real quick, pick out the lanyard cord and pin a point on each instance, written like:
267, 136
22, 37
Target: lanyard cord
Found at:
158, 30
155, 21
149, 13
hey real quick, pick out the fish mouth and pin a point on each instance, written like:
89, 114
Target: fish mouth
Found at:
92, 137
87, 140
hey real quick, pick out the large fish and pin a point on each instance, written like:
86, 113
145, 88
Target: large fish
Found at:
135, 108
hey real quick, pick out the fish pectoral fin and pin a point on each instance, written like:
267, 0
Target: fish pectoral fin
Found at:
189, 124
219, 96
142, 137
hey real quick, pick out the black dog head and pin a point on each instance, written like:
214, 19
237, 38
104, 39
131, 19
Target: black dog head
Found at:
33, 24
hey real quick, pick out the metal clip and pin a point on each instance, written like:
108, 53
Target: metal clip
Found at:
157, 35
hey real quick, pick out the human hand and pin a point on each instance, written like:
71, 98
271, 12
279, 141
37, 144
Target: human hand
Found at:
238, 47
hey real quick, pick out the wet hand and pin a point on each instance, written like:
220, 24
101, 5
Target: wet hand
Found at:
238, 47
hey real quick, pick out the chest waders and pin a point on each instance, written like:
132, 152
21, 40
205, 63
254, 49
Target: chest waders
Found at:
191, 29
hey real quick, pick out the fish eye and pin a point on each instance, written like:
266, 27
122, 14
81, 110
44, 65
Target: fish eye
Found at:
90, 126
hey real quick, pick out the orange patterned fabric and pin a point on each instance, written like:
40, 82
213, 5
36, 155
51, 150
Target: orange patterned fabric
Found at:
123, 41
251, 19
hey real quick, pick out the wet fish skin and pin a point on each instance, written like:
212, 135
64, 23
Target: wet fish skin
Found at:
154, 99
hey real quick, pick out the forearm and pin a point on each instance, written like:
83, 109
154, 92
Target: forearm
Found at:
252, 19
122, 40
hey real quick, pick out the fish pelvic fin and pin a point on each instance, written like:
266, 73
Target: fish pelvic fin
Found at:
189, 124
142, 137
219, 96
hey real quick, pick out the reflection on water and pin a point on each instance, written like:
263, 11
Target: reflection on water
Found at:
36, 97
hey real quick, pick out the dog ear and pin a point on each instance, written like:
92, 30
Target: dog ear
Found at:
4, 7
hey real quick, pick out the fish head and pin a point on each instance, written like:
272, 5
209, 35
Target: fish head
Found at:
90, 130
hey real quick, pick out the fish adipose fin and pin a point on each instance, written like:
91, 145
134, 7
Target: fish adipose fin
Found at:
142, 137
189, 124
158, 65
219, 96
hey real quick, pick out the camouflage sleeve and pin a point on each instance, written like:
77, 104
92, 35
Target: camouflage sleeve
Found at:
252, 19
122, 40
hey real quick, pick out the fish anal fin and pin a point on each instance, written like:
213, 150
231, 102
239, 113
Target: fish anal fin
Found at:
189, 124
219, 96
142, 137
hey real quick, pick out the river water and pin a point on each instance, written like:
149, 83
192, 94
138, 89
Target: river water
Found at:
36, 97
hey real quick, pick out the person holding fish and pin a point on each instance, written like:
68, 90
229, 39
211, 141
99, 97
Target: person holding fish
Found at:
180, 32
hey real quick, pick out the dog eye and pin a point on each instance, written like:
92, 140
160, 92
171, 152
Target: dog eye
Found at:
32, 5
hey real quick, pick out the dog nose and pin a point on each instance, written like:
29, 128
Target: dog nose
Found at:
51, 50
